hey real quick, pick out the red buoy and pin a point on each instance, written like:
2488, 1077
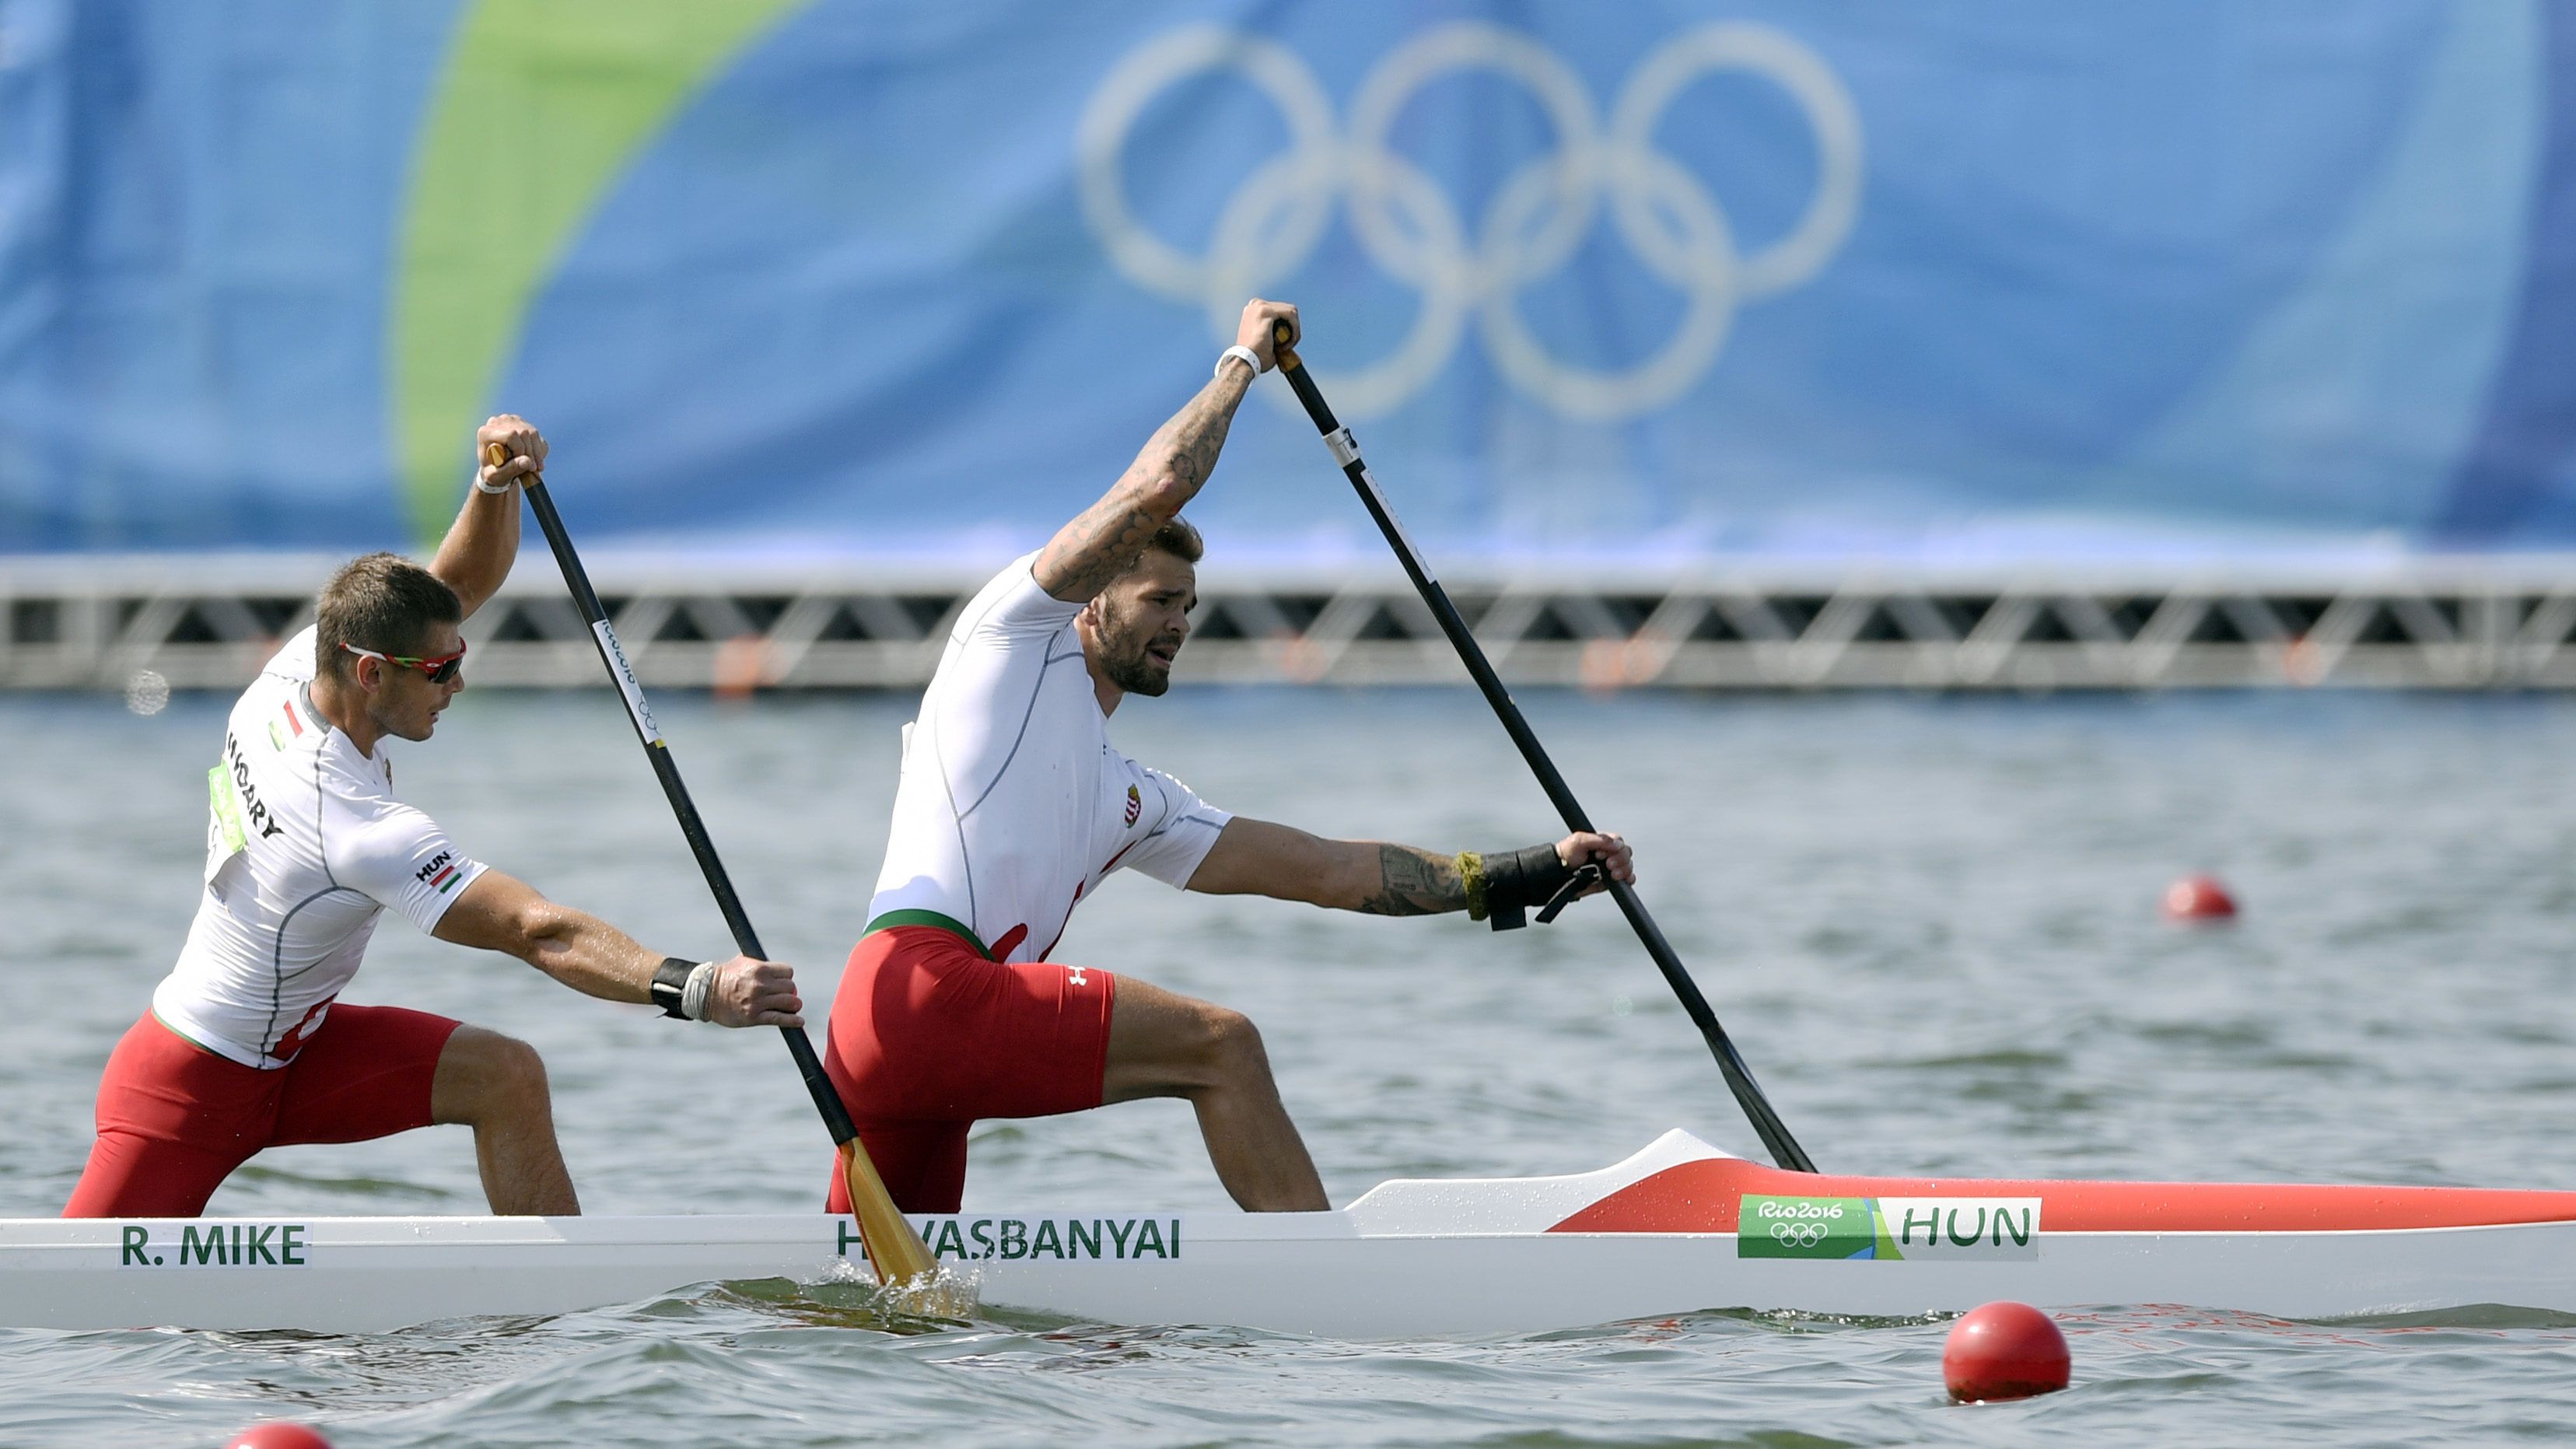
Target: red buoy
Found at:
277, 1436
2005, 1351
2198, 898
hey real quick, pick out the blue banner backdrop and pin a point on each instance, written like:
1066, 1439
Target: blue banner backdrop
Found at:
1593, 282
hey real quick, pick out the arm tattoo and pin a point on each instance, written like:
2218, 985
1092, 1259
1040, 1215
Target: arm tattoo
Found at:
1111, 535
1415, 883
1110, 538
1196, 434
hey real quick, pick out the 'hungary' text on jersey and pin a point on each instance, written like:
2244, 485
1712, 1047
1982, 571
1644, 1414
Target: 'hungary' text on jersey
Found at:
1013, 805
305, 847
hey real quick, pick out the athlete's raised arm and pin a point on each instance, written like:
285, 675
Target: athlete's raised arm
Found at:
1257, 857
483, 542
1109, 536
499, 913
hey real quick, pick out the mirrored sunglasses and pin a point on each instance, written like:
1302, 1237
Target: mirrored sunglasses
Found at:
440, 670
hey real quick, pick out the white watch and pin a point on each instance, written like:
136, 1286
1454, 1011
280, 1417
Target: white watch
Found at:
1251, 359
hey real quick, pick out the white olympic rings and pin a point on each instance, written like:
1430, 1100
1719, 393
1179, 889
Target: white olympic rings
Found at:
1533, 225
1799, 1235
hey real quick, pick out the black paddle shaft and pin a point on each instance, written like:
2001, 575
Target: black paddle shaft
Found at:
826, 1100
1739, 1078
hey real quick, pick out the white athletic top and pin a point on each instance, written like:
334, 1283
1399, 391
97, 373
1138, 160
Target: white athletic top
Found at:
305, 845
1013, 805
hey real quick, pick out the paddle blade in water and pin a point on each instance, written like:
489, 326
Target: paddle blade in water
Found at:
895, 1250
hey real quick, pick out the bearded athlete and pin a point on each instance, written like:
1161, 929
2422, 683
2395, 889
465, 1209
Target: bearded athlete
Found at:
1013, 805
244, 1047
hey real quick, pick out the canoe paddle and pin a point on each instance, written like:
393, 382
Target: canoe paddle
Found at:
895, 1249
1739, 1078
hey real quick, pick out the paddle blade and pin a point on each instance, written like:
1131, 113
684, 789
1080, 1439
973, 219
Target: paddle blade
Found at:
895, 1250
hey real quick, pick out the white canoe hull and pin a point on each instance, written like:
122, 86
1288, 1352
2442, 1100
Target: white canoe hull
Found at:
1412, 1258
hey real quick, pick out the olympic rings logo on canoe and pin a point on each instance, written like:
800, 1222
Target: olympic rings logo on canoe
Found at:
1800, 1235
1535, 223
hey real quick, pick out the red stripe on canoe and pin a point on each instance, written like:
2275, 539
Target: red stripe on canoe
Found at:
1701, 1197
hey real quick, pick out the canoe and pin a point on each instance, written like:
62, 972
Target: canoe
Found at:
1679, 1227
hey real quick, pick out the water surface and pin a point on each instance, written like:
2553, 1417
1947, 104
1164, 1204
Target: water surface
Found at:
1929, 923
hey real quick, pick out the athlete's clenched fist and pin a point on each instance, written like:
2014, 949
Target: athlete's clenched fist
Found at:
754, 993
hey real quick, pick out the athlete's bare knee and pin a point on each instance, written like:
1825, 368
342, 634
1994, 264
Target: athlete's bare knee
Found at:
518, 1072
484, 1076
1227, 1054
1162, 1044
1234, 1047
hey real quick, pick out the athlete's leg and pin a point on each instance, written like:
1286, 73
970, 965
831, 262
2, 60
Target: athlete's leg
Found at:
497, 1085
1162, 1044
174, 1120
129, 1176
922, 1164
373, 1071
916, 1142
928, 1035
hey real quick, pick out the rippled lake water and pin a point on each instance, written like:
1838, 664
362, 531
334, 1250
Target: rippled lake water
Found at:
1929, 923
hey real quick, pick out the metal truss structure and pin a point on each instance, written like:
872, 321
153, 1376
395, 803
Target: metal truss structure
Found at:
2440, 624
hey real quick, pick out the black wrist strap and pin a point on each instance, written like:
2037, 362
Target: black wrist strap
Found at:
1516, 880
1576, 884
670, 984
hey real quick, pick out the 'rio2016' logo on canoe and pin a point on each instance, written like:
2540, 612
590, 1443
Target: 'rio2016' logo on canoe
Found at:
976, 1239
1887, 1229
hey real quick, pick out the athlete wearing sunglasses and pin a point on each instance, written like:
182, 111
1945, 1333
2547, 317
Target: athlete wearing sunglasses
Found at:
306, 847
440, 670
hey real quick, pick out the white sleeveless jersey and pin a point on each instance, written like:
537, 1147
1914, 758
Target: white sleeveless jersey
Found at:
305, 845
1013, 805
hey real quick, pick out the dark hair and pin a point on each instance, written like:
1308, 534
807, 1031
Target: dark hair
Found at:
1179, 538
379, 601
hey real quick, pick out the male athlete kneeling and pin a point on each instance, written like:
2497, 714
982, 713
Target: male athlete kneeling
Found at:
1013, 805
306, 847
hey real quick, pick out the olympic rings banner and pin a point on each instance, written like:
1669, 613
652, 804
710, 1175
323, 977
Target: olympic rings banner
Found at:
1597, 285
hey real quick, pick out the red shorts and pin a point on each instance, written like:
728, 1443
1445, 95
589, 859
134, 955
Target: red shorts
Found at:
929, 1035
174, 1119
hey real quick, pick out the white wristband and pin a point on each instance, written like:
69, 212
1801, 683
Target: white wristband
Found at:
693, 997
1251, 359
482, 487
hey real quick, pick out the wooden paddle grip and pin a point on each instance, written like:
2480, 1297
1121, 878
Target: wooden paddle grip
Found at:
1280, 351
494, 455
